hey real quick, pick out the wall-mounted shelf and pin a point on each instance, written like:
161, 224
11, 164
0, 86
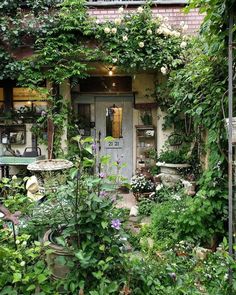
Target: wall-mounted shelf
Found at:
145, 141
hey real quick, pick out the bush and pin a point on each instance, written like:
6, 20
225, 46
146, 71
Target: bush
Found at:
145, 206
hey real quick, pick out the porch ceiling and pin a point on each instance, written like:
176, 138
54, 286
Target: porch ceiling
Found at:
101, 69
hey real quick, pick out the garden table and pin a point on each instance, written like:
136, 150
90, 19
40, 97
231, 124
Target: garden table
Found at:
7, 161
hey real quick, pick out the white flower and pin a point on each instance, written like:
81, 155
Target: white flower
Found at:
226, 277
177, 197
164, 70
149, 32
17, 242
22, 263
107, 30
140, 9
159, 17
182, 23
166, 31
121, 10
24, 243
159, 187
125, 38
183, 44
176, 34
141, 44
114, 60
14, 177
114, 30
117, 21
185, 27
166, 19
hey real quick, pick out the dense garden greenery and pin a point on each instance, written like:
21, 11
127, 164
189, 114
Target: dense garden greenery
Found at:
93, 230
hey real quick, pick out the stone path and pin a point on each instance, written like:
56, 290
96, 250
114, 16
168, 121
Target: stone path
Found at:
126, 201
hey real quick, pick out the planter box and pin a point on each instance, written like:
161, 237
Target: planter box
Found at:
170, 174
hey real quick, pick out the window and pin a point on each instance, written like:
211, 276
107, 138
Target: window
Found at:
25, 98
114, 121
84, 119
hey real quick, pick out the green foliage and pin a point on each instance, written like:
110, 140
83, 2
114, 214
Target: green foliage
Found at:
169, 274
22, 269
177, 156
85, 221
63, 50
145, 207
200, 219
14, 195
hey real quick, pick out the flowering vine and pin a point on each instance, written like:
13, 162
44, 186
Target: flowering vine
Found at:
139, 41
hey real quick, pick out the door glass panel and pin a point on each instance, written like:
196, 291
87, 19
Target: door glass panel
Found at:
1, 98
84, 119
114, 122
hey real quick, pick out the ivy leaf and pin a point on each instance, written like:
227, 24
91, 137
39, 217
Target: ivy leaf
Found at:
17, 277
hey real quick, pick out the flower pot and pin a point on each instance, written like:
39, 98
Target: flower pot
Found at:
170, 173
54, 259
50, 173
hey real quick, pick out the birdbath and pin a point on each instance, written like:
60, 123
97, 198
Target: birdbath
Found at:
50, 173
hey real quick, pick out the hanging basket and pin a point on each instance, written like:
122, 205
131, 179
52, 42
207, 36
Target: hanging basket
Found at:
233, 128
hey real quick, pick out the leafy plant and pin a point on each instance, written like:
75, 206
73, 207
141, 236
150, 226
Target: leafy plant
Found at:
145, 206
178, 156
22, 269
84, 221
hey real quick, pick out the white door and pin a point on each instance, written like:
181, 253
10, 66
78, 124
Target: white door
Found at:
114, 117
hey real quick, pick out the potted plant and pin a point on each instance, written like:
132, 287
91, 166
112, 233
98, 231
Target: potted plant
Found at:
171, 163
141, 186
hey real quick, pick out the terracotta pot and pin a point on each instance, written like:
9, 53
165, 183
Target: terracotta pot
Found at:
57, 268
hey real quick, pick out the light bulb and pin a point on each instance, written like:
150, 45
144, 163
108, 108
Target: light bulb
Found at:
110, 72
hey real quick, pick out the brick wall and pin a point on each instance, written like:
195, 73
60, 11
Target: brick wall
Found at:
174, 13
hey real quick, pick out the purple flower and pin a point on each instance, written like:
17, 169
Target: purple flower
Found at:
103, 194
43, 113
94, 147
115, 223
102, 175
